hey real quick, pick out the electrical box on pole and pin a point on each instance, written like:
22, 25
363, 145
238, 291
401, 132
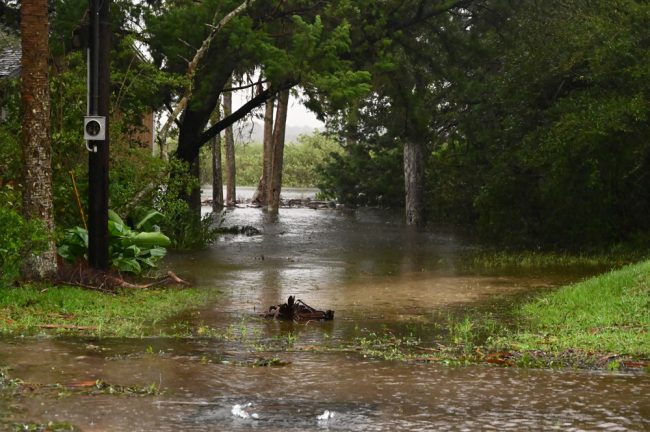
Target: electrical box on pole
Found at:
96, 128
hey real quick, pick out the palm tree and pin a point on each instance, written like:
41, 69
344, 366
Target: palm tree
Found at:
36, 144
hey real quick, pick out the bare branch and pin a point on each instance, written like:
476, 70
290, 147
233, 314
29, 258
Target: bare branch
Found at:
244, 87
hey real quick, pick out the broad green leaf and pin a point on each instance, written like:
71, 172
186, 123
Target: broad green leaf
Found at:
151, 239
148, 222
130, 265
117, 229
158, 252
112, 216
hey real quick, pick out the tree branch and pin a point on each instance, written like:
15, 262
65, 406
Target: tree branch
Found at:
244, 87
259, 99
191, 70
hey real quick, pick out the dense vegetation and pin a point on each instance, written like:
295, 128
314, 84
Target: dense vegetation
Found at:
538, 124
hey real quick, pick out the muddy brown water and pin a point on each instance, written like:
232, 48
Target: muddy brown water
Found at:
377, 276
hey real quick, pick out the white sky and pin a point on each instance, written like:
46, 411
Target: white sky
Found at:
298, 115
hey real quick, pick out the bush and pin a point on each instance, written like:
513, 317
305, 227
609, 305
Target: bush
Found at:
363, 176
18, 237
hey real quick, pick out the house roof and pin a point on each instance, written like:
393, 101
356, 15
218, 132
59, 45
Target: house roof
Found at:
10, 62
10, 53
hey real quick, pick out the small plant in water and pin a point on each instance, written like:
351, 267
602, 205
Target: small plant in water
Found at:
290, 338
44, 427
614, 366
462, 334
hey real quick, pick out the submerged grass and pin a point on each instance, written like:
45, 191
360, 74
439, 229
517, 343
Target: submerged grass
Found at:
500, 260
603, 322
35, 309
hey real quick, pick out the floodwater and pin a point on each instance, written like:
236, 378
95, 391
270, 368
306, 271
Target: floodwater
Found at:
378, 276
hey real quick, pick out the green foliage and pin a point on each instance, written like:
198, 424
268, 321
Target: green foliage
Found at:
361, 175
555, 144
18, 237
132, 167
301, 161
186, 229
10, 155
130, 250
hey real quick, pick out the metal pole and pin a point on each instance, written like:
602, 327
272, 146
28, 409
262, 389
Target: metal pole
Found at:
98, 98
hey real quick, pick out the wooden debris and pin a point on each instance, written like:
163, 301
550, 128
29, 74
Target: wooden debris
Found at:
80, 274
66, 327
299, 311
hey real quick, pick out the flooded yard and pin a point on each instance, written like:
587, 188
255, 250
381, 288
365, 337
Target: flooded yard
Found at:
376, 275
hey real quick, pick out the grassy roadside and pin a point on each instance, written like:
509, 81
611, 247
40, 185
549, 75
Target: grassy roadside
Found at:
34, 309
608, 314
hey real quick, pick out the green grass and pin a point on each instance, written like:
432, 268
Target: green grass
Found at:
133, 313
609, 313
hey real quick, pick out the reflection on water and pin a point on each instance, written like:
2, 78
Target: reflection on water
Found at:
373, 272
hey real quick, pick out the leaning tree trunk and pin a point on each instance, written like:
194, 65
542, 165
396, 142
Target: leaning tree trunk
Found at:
36, 145
275, 176
230, 153
217, 180
261, 193
414, 183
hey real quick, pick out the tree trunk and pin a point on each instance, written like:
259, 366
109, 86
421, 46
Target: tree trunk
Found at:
36, 144
192, 132
192, 123
261, 194
230, 153
275, 175
195, 194
414, 183
217, 180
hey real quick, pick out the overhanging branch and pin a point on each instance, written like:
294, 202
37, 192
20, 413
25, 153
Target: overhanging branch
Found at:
249, 106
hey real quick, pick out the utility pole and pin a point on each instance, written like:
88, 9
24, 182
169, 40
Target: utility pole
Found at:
96, 132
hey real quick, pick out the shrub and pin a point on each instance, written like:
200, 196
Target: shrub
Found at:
18, 237
130, 250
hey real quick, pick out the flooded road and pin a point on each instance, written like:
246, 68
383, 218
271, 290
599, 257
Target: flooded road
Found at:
378, 276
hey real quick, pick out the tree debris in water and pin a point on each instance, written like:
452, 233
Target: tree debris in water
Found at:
82, 275
246, 230
299, 311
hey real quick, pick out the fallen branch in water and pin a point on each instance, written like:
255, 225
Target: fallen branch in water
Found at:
106, 281
188, 403
66, 327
